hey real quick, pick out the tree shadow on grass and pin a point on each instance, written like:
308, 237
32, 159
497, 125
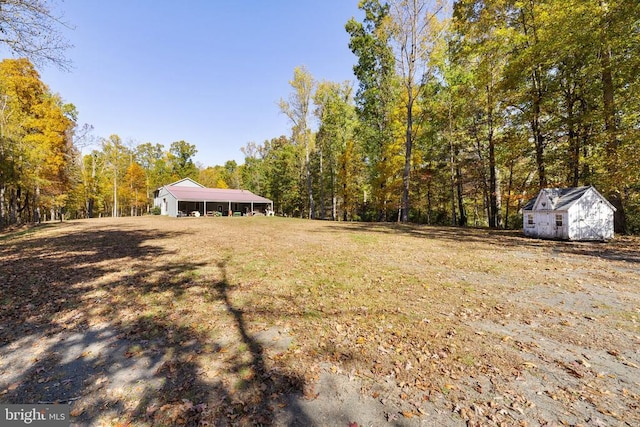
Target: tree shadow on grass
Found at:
267, 387
74, 329
45, 277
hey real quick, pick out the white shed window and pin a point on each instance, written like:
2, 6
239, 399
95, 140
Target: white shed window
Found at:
558, 220
530, 219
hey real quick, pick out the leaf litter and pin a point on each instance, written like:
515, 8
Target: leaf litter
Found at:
244, 321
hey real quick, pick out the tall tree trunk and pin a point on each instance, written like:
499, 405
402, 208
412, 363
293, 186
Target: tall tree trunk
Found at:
310, 191
407, 158
115, 193
537, 93
3, 213
482, 168
461, 208
611, 130
574, 146
321, 178
334, 195
453, 169
36, 216
13, 206
538, 138
493, 208
509, 190
493, 187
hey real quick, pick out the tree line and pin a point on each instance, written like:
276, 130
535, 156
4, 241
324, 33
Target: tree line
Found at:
460, 113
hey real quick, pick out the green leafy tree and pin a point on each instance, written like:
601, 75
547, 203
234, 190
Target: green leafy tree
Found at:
180, 158
151, 158
282, 171
232, 174
253, 171
336, 147
376, 97
414, 29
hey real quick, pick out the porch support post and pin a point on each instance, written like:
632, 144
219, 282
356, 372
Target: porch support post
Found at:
230, 213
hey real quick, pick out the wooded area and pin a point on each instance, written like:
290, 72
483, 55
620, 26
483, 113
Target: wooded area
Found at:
458, 116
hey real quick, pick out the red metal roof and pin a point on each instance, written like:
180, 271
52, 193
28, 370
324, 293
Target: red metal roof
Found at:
197, 194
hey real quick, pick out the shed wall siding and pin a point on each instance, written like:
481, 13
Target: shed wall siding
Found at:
587, 216
591, 219
544, 225
543, 203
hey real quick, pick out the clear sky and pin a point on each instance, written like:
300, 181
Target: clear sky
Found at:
209, 72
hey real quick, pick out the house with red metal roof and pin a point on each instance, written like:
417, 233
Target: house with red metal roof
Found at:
187, 197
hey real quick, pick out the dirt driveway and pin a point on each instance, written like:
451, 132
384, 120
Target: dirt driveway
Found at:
148, 321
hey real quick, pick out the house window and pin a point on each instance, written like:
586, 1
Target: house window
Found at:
558, 220
530, 219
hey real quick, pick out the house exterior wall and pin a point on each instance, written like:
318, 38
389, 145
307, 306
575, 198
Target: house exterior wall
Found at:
591, 218
166, 202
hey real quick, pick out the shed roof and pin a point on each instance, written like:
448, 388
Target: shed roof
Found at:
199, 194
562, 198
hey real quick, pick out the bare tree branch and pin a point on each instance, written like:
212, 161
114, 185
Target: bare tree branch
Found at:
31, 29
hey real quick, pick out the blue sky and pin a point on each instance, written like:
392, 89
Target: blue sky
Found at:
209, 72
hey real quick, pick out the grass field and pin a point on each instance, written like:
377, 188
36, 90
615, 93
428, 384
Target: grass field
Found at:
164, 321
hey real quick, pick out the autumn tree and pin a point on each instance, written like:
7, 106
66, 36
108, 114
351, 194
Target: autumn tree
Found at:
376, 97
115, 156
36, 144
151, 158
213, 177
134, 190
614, 35
480, 44
336, 147
414, 31
298, 110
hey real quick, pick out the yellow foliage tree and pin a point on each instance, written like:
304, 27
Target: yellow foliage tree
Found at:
35, 144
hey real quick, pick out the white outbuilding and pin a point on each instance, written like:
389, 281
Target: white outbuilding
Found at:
577, 213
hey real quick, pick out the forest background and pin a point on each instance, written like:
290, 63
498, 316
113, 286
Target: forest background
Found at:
461, 112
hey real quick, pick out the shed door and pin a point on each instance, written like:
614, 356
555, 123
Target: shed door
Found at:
546, 229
